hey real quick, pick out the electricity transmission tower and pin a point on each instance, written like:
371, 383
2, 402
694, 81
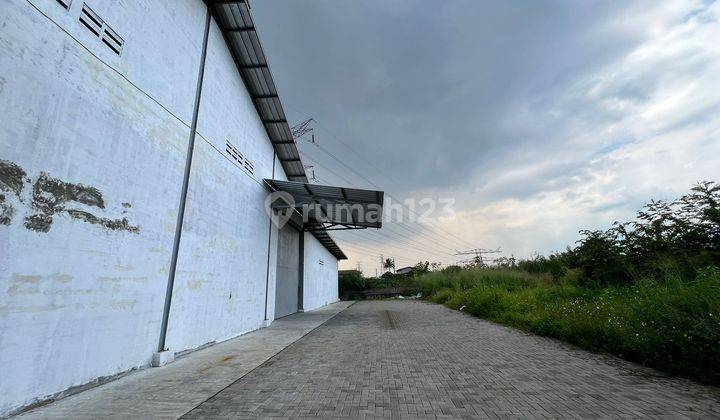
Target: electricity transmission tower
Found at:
301, 129
478, 259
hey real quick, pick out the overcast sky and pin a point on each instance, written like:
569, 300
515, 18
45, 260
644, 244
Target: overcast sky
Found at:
540, 118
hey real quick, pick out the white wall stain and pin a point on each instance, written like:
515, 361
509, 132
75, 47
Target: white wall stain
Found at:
123, 303
62, 278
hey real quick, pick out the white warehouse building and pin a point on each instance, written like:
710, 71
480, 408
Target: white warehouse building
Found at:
139, 141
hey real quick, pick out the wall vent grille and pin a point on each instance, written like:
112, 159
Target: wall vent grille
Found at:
91, 20
65, 3
100, 29
238, 157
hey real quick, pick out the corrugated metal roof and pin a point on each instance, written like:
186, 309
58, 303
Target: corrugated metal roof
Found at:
326, 241
348, 207
235, 21
238, 28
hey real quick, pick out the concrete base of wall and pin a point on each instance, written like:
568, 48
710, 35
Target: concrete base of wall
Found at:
137, 395
163, 358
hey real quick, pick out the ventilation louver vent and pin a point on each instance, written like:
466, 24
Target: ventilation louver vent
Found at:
91, 20
112, 40
65, 3
238, 157
100, 29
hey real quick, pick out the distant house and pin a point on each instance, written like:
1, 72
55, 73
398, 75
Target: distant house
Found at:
405, 271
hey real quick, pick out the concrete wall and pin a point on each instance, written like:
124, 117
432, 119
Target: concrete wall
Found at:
221, 276
320, 286
81, 296
92, 152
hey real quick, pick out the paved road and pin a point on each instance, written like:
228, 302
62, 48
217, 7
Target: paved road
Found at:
168, 392
410, 359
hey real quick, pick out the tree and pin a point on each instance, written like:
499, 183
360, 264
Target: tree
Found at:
421, 268
389, 264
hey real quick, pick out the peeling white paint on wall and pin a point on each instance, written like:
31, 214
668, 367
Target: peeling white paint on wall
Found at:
81, 301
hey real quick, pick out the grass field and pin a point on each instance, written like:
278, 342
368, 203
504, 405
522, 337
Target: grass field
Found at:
670, 324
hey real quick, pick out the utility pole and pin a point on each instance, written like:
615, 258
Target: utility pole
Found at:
300, 130
311, 169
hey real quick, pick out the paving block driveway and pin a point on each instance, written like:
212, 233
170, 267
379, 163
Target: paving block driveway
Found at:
411, 359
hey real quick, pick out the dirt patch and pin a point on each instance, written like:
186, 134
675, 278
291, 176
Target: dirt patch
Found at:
50, 197
11, 180
38, 222
11, 177
49, 194
390, 320
120, 224
6, 211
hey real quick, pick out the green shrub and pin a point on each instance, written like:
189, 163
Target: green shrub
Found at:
667, 239
668, 323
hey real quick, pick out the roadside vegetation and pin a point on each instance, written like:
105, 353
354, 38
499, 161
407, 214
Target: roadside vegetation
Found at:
354, 286
646, 290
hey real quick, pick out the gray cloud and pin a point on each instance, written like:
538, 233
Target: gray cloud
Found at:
423, 87
543, 101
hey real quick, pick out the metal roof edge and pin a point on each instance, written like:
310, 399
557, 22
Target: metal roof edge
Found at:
255, 68
322, 236
334, 250
285, 148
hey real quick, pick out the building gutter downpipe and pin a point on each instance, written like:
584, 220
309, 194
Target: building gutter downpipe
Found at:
301, 273
183, 199
266, 321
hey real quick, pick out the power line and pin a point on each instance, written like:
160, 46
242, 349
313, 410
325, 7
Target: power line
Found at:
384, 246
399, 224
371, 164
408, 239
390, 195
404, 260
373, 254
409, 245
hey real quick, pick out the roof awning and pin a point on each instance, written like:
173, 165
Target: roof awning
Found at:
325, 207
326, 241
